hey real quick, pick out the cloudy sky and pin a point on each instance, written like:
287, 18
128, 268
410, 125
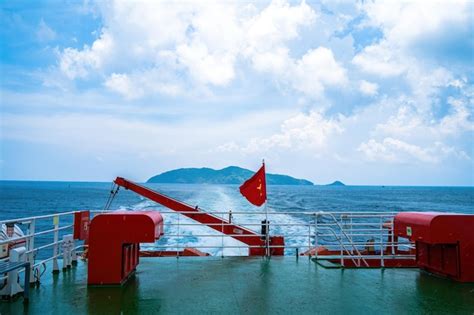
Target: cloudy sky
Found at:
363, 92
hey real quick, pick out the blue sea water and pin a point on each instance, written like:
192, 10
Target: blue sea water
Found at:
28, 198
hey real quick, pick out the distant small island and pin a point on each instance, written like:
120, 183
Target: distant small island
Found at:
336, 183
228, 175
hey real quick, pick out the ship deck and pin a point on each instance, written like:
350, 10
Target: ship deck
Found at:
234, 285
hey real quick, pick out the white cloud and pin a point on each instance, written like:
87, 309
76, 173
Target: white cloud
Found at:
313, 145
368, 88
380, 60
207, 67
317, 69
397, 151
460, 120
122, 84
300, 132
79, 63
404, 23
45, 33
201, 43
223, 58
125, 131
418, 43
268, 32
390, 130
406, 135
408, 123
138, 84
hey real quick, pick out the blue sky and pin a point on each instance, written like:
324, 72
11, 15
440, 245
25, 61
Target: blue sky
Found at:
363, 92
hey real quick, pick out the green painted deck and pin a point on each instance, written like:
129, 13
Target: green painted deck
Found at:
237, 285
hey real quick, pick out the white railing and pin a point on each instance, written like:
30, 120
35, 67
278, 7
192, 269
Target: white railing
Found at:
360, 236
348, 233
42, 239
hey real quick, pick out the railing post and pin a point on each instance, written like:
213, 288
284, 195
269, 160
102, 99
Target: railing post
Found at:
55, 247
351, 234
31, 247
392, 236
67, 248
222, 234
64, 252
316, 234
340, 241
73, 253
177, 239
381, 242
309, 239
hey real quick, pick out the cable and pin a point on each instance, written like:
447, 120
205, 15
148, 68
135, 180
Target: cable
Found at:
112, 195
107, 203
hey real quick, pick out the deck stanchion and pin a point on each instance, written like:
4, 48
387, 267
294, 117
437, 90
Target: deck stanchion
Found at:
55, 247
67, 246
392, 238
73, 254
222, 232
26, 294
177, 241
309, 239
341, 227
64, 251
316, 234
351, 234
31, 246
381, 243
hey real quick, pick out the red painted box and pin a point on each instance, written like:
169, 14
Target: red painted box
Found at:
114, 242
444, 242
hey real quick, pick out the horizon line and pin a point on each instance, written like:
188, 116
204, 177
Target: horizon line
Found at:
145, 182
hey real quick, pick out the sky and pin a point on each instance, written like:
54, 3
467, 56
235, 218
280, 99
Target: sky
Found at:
369, 93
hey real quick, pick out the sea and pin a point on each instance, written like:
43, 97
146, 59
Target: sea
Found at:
34, 198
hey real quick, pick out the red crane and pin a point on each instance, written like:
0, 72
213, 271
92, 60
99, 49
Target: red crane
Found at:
255, 241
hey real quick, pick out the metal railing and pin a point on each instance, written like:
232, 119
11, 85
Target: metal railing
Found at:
351, 234
347, 235
359, 237
42, 239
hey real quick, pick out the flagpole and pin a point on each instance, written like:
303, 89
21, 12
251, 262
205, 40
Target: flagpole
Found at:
267, 227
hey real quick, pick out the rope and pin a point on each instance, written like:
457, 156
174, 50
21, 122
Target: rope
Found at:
112, 195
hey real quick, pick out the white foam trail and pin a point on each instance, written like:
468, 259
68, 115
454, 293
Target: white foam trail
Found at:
221, 201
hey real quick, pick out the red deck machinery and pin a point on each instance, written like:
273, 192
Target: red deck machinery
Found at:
255, 241
114, 243
444, 242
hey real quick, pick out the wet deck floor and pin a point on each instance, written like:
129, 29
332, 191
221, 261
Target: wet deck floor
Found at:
248, 285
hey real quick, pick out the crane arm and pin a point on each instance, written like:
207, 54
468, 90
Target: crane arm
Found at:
235, 231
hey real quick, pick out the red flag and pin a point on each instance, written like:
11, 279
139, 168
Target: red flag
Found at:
255, 188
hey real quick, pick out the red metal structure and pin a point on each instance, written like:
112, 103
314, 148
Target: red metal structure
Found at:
242, 234
444, 242
114, 244
81, 225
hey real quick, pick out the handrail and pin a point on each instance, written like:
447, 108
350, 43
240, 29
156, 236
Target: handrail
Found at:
349, 239
348, 236
36, 217
28, 236
30, 226
349, 230
359, 214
